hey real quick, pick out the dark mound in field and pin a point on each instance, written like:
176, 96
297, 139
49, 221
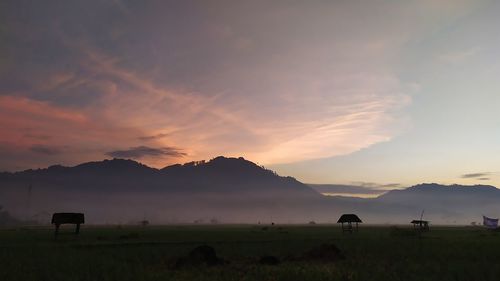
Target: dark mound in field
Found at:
201, 255
131, 235
323, 253
269, 260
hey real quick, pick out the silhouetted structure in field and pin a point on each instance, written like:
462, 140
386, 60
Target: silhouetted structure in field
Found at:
349, 219
420, 225
490, 222
67, 218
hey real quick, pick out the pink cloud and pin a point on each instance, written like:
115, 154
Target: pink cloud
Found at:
302, 127
40, 133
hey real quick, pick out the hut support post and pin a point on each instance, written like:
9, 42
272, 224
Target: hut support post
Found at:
56, 231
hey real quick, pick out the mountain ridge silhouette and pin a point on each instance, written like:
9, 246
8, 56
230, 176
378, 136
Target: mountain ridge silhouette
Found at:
232, 189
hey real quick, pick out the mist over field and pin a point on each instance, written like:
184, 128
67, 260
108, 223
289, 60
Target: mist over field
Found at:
223, 190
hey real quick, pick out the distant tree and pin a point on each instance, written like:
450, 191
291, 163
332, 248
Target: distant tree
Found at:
6, 218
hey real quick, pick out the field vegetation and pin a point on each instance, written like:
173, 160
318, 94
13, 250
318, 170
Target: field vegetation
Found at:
250, 252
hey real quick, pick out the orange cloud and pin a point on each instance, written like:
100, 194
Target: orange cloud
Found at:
42, 134
205, 126
306, 117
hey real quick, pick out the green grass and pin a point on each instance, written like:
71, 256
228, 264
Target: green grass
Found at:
132, 253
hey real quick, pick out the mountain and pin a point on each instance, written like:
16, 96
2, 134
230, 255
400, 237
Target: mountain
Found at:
221, 174
230, 189
441, 204
447, 203
442, 194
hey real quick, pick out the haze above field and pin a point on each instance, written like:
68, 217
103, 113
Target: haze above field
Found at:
229, 190
364, 93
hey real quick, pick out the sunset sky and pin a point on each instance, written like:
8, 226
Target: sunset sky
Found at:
373, 93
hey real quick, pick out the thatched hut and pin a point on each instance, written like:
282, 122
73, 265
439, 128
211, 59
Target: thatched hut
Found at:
349, 219
68, 218
420, 225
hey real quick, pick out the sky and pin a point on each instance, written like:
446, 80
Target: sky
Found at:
370, 93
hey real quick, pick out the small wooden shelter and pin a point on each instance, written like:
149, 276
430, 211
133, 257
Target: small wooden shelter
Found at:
420, 225
349, 219
67, 218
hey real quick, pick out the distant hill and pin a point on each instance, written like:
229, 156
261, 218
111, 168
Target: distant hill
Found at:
442, 194
447, 203
221, 174
442, 204
226, 190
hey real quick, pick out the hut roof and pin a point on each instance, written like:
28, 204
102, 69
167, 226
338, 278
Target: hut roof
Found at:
349, 218
419, 222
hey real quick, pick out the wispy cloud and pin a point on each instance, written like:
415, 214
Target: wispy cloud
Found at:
391, 185
153, 137
46, 150
37, 137
215, 92
375, 185
476, 175
457, 57
33, 129
145, 151
346, 189
210, 126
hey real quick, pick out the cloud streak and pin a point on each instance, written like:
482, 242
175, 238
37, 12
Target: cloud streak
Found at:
46, 150
347, 189
145, 151
153, 137
479, 176
32, 130
231, 86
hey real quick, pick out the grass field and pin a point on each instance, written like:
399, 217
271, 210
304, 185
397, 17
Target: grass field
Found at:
133, 253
